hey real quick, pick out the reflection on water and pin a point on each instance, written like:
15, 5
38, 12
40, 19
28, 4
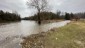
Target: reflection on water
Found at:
11, 34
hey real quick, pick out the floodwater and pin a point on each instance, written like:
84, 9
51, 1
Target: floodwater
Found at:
11, 33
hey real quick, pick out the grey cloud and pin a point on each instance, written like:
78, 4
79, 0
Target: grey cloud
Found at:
63, 5
14, 5
72, 6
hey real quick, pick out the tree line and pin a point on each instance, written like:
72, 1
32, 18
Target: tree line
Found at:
58, 15
7, 16
76, 16
42, 5
43, 16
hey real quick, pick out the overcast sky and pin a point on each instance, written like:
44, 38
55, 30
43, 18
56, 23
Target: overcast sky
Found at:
62, 5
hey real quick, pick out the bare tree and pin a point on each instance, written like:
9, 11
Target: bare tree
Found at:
40, 5
58, 13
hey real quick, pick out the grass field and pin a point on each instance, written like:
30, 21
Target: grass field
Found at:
69, 36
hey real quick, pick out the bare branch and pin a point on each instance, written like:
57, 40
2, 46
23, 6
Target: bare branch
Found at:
40, 5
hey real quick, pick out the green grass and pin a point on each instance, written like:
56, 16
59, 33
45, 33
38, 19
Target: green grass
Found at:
69, 36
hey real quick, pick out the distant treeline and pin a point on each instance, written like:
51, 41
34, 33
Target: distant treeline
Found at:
44, 16
80, 15
76, 16
58, 15
6, 16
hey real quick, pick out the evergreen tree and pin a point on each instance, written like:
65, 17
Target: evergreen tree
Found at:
6, 16
67, 16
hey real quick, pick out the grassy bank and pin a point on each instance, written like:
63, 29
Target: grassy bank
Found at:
69, 36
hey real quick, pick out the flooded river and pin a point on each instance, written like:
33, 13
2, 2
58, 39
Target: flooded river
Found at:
11, 33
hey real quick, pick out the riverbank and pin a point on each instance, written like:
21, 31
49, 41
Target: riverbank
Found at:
69, 36
51, 21
6, 22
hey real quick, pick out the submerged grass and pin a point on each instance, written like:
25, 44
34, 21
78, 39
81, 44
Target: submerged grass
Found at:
69, 36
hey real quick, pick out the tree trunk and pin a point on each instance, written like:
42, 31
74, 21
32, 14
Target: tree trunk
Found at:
39, 20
